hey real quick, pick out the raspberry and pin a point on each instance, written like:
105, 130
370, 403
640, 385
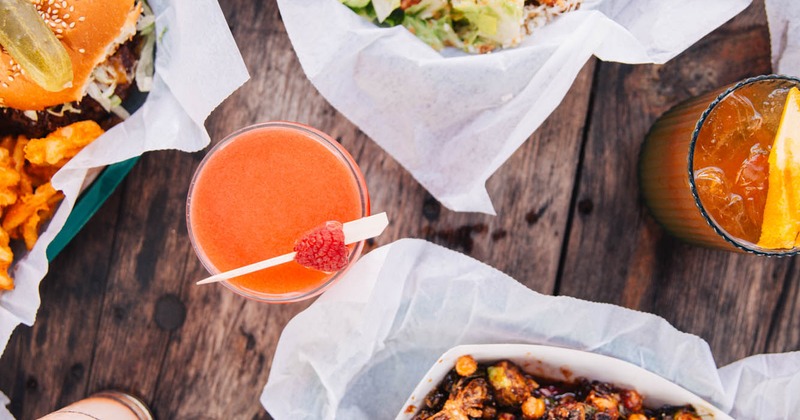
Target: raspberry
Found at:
323, 248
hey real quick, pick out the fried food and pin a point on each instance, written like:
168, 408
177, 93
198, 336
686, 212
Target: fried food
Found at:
9, 179
6, 257
27, 199
23, 218
470, 401
503, 391
58, 147
511, 386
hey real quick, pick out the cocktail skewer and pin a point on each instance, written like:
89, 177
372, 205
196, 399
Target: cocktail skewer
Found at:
355, 231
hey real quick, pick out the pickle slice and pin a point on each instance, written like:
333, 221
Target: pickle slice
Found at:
33, 45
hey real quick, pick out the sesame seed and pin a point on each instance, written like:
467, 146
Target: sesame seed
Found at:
81, 19
72, 25
10, 79
81, 50
5, 85
66, 16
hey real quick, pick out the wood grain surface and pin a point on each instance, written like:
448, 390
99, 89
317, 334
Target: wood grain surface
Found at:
118, 310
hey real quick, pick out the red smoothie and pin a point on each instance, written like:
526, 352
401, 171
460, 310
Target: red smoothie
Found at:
258, 192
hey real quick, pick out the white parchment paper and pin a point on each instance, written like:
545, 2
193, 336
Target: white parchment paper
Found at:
784, 30
191, 79
360, 349
452, 119
4, 414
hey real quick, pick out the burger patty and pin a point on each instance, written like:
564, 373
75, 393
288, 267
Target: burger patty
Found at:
13, 121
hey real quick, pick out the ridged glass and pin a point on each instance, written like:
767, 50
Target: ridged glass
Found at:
335, 149
666, 173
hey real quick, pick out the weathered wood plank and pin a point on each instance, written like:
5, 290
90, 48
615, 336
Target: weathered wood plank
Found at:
244, 335
196, 352
618, 254
525, 239
47, 366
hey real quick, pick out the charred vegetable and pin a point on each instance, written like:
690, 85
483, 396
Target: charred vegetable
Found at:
503, 391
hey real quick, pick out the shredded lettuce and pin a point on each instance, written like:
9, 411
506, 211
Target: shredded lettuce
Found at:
106, 76
33, 115
356, 4
429, 9
384, 8
145, 67
471, 25
488, 23
60, 110
438, 33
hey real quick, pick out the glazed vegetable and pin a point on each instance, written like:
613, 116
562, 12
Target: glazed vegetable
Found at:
26, 37
511, 387
502, 391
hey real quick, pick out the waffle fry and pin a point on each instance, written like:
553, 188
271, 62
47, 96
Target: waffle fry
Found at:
61, 145
6, 257
27, 199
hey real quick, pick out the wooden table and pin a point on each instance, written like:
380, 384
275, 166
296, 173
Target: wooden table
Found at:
118, 309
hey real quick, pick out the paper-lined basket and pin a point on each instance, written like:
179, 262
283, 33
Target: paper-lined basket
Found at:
191, 78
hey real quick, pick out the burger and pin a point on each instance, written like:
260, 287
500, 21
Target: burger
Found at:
110, 44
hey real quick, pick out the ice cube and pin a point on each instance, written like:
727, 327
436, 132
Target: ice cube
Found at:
711, 186
753, 175
748, 117
731, 123
725, 206
733, 217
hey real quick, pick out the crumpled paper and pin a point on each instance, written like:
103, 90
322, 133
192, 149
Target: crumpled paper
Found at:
452, 119
191, 79
361, 348
784, 31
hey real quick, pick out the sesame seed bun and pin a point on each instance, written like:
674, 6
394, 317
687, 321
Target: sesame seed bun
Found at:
90, 30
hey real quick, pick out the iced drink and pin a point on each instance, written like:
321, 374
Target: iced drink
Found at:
705, 166
258, 191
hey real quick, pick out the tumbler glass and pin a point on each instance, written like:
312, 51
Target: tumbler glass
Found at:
703, 168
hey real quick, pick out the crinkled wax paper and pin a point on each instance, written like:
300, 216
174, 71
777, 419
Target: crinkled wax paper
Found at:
191, 79
361, 348
784, 30
452, 119
4, 414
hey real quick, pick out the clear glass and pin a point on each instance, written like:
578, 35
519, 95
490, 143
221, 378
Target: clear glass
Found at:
336, 150
105, 405
666, 172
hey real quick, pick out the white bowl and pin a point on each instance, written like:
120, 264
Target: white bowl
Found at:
565, 365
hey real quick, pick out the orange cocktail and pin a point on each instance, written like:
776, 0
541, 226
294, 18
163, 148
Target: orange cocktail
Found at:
259, 191
704, 167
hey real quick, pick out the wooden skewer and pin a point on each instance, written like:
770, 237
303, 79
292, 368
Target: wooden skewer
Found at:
355, 231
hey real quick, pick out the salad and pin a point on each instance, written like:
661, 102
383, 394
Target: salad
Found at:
475, 26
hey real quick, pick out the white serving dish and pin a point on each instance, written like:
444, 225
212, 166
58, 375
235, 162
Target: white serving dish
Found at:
561, 364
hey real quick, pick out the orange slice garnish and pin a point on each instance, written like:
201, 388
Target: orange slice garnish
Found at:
781, 226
